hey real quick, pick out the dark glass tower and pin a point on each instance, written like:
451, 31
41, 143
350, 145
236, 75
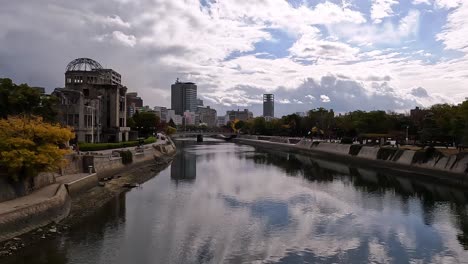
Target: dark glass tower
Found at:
268, 105
183, 97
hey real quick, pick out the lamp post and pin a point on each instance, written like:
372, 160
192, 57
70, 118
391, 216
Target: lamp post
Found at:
98, 133
407, 127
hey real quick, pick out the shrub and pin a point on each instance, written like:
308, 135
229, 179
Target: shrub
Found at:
127, 156
150, 140
346, 140
104, 146
354, 150
170, 130
398, 154
386, 153
424, 156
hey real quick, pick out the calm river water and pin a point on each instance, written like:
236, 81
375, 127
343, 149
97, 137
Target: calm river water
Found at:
225, 203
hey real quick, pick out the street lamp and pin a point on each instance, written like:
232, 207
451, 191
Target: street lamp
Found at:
98, 133
407, 127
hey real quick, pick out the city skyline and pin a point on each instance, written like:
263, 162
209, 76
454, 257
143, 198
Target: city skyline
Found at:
341, 55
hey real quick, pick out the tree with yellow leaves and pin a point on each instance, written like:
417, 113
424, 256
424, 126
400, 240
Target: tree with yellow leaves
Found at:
28, 145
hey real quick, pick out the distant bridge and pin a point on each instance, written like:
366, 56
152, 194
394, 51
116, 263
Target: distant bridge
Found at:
220, 135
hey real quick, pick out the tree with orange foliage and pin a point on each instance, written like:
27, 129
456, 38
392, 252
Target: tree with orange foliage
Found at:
28, 145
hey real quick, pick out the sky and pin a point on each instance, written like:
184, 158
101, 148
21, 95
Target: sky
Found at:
338, 54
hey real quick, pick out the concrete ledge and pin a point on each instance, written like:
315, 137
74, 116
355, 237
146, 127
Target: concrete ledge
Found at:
35, 215
81, 185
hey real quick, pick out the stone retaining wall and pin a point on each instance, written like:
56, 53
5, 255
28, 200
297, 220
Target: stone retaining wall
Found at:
83, 184
73, 165
28, 218
10, 189
107, 163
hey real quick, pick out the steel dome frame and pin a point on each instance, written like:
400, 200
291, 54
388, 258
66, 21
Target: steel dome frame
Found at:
83, 64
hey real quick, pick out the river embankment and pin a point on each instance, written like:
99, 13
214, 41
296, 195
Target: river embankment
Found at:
450, 170
77, 193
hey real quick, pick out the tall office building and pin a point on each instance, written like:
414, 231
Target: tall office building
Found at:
183, 97
268, 105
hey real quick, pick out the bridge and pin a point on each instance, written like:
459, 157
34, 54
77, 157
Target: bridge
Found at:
219, 135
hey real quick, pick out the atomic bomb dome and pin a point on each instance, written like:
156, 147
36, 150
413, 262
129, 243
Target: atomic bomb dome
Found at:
83, 64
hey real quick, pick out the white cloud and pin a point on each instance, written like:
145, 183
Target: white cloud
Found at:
418, 2
324, 98
454, 34
383, 33
284, 101
381, 9
310, 46
448, 3
280, 14
128, 40
114, 20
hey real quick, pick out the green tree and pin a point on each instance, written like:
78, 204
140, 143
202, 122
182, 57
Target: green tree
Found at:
239, 125
145, 123
258, 126
171, 123
430, 131
22, 99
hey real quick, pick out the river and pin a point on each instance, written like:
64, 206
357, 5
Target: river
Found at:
226, 203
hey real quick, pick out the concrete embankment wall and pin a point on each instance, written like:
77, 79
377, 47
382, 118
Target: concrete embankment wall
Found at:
107, 166
453, 169
27, 218
334, 148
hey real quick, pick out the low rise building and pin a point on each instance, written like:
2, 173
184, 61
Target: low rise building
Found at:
189, 118
133, 103
161, 111
207, 115
221, 121
240, 115
171, 115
